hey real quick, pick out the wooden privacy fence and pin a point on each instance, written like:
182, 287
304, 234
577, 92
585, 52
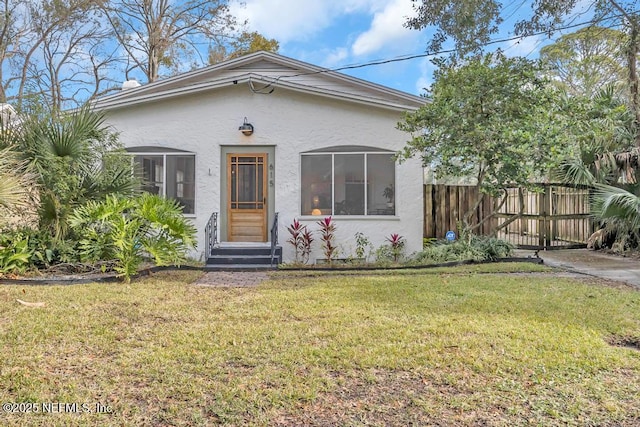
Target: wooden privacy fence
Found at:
557, 216
445, 206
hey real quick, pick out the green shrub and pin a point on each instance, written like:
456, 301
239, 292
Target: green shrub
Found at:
392, 252
363, 246
46, 250
15, 256
128, 229
475, 248
492, 247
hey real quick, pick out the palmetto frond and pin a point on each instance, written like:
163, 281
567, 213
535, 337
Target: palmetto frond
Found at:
97, 182
616, 205
17, 184
574, 171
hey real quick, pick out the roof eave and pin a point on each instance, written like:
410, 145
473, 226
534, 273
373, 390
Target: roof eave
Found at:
413, 102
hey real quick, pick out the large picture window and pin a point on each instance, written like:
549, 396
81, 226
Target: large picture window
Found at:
169, 174
348, 182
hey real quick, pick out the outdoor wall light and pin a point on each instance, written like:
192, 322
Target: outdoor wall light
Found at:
246, 128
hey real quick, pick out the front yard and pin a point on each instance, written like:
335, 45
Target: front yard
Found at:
461, 346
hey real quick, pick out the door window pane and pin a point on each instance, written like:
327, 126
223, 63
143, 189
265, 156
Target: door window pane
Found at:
247, 182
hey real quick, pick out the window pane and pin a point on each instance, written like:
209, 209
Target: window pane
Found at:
349, 184
316, 185
181, 181
152, 170
381, 189
247, 183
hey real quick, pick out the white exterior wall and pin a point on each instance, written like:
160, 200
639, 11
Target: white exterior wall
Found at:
293, 123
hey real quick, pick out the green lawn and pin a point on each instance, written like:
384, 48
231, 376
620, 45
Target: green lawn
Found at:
462, 346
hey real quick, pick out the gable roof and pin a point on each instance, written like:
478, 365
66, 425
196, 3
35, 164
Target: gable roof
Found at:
266, 72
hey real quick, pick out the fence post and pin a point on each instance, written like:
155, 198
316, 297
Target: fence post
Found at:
545, 229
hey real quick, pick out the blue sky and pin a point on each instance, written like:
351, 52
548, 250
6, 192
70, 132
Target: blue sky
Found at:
335, 33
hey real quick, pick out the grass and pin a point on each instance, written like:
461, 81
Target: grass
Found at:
463, 346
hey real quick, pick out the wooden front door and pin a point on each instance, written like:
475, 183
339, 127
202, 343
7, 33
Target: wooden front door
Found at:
247, 197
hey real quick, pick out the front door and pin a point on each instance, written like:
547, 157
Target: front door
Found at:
247, 197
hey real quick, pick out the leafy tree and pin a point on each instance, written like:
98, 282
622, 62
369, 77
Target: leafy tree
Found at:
587, 61
247, 42
491, 118
126, 229
160, 34
471, 23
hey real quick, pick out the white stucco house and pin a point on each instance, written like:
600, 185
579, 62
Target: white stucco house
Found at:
239, 141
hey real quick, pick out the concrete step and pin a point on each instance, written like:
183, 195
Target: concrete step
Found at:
244, 251
241, 259
240, 267
260, 255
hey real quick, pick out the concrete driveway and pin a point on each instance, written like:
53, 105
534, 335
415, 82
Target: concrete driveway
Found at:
592, 263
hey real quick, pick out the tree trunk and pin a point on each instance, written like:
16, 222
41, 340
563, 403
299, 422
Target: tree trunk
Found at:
632, 58
633, 20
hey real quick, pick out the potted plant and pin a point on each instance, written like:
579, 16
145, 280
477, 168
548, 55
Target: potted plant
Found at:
389, 193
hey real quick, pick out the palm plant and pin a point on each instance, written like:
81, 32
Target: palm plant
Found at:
605, 158
16, 181
75, 159
601, 132
618, 209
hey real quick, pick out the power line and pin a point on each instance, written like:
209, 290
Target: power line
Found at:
409, 57
440, 52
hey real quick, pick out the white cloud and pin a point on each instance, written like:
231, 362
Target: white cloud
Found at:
387, 29
292, 20
335, 57
425, 80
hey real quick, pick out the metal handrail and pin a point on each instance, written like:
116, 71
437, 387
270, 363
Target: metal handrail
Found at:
274, 237
211, 233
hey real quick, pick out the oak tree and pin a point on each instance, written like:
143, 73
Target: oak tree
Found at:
470, 25
490, 118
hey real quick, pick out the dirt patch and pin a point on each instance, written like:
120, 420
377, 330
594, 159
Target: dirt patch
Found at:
400, 398
625, 342
377, 398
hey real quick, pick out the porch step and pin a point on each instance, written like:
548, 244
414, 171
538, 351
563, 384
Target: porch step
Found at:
225, 256
240, 267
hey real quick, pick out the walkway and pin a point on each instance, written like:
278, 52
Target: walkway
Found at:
235, 279
592, 263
